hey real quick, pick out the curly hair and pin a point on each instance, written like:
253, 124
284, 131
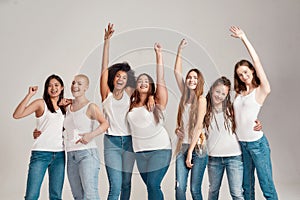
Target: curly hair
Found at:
112, 71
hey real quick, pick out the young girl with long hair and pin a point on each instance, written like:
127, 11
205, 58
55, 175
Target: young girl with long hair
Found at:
191, 112
223, 147
252, 88
48, 150
151, 142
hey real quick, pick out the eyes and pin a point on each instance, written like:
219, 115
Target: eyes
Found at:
74, 82
140, 81
120, 76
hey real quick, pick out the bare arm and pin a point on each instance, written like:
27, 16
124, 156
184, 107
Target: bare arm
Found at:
94, 113
104, 89
36, 106
197, 130
178, 66
161, 97
264, 88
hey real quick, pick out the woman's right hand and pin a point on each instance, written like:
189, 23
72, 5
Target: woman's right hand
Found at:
32, 90
179, 133
109, 31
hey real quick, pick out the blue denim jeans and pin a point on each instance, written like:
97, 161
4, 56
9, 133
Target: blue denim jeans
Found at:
119, 160
234, 170
256, 155
153, 166
182, 173
83, 169
40, 161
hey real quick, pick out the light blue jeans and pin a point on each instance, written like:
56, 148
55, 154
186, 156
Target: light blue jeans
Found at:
256, 155
119, 160
40, 161
182, 173
83, 169
234, 170
153, 166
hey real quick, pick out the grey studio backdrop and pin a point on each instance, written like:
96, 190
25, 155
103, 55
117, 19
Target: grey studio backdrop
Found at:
65, 37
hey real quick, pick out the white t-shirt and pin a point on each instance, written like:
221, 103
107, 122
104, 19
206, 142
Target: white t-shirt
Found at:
115, 112
146, 134
185, 120
221, 142
77, 123
246, 110
51, 126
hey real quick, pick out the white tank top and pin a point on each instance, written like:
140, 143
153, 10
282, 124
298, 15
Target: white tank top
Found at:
146, 134
246, 110
221, 142
51, 126
115, 112
185, 120
76, 123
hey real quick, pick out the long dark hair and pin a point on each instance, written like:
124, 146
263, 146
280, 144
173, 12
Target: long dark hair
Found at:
112, 71
135, 98
227, 106
193, 115
46, 95
239, 85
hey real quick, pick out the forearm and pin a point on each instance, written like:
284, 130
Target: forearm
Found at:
250, 49
160, 69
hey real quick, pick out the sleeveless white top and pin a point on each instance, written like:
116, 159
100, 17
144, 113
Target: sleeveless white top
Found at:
76, 123
51, 126
185, 120
146, 134
115, 112
246, 110
221, 142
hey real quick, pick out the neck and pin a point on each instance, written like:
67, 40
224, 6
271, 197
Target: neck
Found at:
143, 98
80, 100
118, 93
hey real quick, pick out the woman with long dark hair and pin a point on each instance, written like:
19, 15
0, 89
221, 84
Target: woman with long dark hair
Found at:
48, 150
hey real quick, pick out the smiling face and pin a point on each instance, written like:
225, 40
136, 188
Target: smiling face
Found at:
120, 80
245, 74
79, 85
219, 94
143, 84
54, 88
191, 80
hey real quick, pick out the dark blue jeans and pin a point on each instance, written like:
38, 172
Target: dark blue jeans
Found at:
153, 166
119, 160
182, 173
256, 155
40, 161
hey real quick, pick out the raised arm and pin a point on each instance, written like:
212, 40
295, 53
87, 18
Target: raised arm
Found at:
161, 96
104, 89
178, 66
264, 88
36, 106
94, 113
197, 130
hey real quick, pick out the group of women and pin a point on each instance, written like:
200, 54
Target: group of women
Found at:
211, 131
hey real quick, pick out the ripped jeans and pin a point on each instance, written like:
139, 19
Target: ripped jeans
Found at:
197, 173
